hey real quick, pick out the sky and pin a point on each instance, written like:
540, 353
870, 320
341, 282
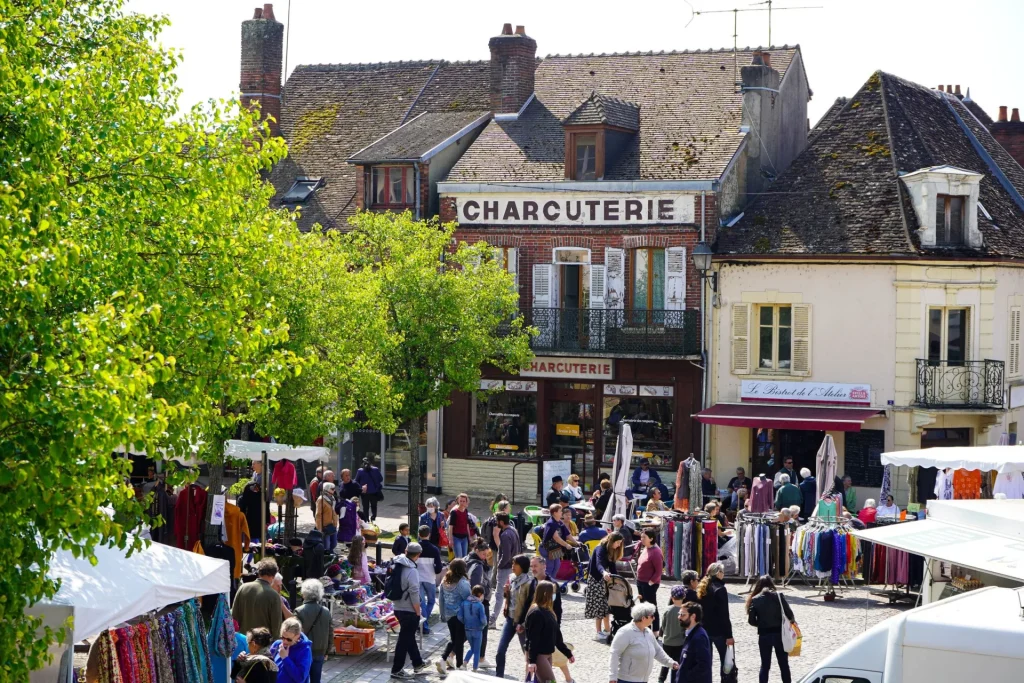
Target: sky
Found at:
843, 43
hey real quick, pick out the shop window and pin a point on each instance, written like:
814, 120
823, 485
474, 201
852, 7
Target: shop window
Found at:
505, 425
650, 420
949, 220
947, 335
392, 187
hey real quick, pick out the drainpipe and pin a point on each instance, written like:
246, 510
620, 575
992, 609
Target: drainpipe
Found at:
416, 166
706, 358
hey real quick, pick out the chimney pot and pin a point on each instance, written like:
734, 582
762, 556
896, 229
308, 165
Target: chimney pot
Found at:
513, 67
942, 88
767, 58
506, 30
260, 73
949, 89
756, 59
957, 91
1015, 115
1002, 114
520, 30
258, 14
268, 12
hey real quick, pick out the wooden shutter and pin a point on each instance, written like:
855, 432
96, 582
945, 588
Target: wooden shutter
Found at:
597, 286
741, 339
675, 279
1013, 357
595, 314
801, 359
513, 265
542, 277
615, 278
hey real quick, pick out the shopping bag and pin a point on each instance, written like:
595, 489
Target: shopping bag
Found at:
730, 660
790, 633
795, 652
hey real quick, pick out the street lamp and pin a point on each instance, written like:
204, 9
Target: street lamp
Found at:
702, 256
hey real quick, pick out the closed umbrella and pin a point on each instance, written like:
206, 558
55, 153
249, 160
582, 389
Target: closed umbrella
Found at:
826, 465
620, 474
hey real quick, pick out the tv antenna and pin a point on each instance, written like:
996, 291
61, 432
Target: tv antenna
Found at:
755, 7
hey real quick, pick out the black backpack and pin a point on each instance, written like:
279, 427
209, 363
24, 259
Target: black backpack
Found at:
393, 584
487, 531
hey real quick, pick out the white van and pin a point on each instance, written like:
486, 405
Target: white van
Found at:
977, 636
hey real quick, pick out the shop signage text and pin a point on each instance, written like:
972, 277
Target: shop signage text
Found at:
805, 392
577, 208
579, 368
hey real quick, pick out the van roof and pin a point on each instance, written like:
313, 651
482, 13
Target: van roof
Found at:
986, 622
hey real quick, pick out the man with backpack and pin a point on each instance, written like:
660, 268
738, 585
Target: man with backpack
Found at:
508, 548
402, 588
480, 575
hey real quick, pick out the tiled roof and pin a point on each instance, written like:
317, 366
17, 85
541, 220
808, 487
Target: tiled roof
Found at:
600, 109
843, 194
690, 116
330, 112
410, 141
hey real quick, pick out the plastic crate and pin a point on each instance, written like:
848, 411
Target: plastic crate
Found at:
353, 642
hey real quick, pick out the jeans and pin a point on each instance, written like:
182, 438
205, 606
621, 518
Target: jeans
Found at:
316, 669
457, 632
508, 632
408, 623
673, 651
550, 566
461, 546
474, 639
428, 596
767, 642
330, 541
649, 592
719, 643
499, 592
370, 507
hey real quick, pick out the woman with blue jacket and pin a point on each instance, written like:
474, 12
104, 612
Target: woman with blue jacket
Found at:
455, 590
371, 481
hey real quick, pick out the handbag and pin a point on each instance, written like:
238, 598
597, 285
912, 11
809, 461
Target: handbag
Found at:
730, 672
790, 633
442, 537
558, 659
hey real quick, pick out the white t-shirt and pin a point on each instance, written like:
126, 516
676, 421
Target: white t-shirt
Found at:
887, 511
645, 476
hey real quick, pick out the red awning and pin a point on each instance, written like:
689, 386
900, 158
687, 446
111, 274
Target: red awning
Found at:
787, 417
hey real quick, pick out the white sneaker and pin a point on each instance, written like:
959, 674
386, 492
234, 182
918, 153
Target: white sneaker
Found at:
463, 667
484, 664
441, 669
600, 637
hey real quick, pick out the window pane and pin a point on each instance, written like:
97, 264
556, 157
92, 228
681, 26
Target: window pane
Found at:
410, 188
935, 334
378, 186
956, 336
766, 315
395, 180
785, 316
956, 220
503, 424
640, 278
940, 219
765, 346
586, 157
657, 298
785, 347
651, 422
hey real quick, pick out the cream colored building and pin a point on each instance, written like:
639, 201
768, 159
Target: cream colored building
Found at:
873, 294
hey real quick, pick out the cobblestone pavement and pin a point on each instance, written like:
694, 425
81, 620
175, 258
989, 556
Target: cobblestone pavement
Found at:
826, 626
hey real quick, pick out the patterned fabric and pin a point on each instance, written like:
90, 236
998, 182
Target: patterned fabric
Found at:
597, 599
222, 637
886, 484
967, 484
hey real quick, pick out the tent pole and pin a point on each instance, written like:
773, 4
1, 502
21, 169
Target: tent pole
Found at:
263, 504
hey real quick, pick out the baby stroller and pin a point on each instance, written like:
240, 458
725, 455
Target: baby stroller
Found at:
620, 604
573, 569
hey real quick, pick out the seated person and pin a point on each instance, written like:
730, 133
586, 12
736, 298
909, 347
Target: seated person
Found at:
741, 499
644, 479
868, 513
740, 481
592, 531
656, 504
619, 524
890, 509
714, 510
605, 496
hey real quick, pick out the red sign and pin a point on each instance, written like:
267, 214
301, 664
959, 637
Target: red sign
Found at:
575, 368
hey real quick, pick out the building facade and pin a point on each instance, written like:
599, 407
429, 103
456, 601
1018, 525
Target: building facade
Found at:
873, 294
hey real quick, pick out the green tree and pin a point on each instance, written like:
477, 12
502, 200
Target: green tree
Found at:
138, 264
450, 308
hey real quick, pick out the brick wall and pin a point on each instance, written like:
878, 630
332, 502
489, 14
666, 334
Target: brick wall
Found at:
513, 65
260, 79
1010, 135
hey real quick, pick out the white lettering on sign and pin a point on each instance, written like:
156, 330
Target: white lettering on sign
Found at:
581, 368
805, 392
577, 208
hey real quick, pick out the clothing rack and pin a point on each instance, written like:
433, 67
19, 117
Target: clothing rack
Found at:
685, 539
762, 535
826, 584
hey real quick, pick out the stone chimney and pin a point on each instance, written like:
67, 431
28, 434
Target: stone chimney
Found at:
513, 64
1009, 131
262, 51
763, 115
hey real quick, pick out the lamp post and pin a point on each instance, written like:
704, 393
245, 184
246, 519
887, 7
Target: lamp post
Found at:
702, 258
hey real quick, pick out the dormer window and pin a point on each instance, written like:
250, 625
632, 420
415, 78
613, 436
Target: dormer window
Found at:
392, 187
949, 220
595, 132
586, 156
301, 190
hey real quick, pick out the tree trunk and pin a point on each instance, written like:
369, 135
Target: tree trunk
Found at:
415, 473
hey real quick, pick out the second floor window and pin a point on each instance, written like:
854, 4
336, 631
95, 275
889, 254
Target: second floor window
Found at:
586, 157
775, 338
392, 186
648, 283
949, 220
947, 335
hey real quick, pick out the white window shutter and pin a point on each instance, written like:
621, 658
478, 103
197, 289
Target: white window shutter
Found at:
542, 277
1013, 357
741, 339
597, 285
801, 359
675, 279
615, 278
513, 265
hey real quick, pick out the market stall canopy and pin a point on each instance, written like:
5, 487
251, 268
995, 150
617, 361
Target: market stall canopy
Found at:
984, 458
814, 418
253, 450
119, 587
984, 535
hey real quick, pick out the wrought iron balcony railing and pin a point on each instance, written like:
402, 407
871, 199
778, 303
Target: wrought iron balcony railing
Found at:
958, 384
614, 331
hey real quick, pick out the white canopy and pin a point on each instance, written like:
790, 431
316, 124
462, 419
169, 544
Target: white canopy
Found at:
984, 458
253, 450
119, 587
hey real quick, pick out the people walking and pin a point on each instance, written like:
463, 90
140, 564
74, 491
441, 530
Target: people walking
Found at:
429, 566
635, 649
714, 600
542, 634
508, 548
473, 615
695, 659
293, 653
673, 632
326, 517
557, 541
788, 493
460, 525
690, 580
405, 596
371, 483
316, 624
479, 573
455, 589
601, 569
765, 607
648, 573
517, 603
435, 521
257, 604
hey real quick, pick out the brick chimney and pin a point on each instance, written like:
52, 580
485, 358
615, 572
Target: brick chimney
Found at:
262, 50
1009, 131
513, 64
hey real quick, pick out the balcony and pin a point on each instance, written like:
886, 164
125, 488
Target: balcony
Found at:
960, 384
614, 331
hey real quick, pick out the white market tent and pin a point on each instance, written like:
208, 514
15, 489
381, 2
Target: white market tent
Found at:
1002, 459
253, 450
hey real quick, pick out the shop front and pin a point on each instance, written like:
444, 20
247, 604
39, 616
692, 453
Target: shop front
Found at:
569, 411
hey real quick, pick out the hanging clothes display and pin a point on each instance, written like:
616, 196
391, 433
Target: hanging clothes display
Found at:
886, 484
762, 495
688, 542
967, 484
762, 544
825, 550
238, 537
689, 497
944, 484
1010, 484
189, 516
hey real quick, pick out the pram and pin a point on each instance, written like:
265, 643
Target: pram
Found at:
620, 604
573, 569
